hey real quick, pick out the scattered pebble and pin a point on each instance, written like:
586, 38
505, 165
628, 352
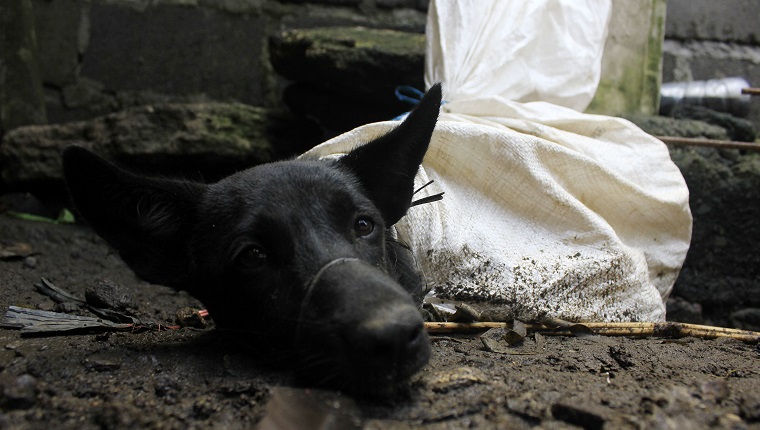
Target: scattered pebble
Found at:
13, 345
109, 295
30, 262
493, 345
18, 392
190, 317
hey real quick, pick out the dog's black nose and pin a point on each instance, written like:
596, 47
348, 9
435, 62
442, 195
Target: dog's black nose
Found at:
390, 336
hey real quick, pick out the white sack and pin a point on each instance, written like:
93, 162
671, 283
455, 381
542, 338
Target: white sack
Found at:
548, 212
537, 50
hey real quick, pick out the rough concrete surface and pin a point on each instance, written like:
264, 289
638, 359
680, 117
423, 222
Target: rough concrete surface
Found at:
206, 139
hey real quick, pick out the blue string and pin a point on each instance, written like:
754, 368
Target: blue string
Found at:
409, 94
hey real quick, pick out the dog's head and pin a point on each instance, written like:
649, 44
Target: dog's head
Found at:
295, 253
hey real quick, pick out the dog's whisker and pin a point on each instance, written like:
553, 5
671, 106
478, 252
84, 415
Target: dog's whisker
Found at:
423, 186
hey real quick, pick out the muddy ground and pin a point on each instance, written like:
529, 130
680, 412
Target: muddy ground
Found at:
191, 378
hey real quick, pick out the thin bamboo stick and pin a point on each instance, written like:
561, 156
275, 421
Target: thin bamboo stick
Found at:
453, 327
636, 329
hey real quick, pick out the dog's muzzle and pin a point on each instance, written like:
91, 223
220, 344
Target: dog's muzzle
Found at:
317, 276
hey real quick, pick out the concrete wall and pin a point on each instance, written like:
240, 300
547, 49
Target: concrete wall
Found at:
708, 39
98, 56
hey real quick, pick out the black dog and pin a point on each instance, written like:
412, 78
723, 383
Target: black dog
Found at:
295, 253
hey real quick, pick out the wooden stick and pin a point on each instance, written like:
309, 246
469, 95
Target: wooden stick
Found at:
751, 91
638, 329
723, 144
453, 327
671, 330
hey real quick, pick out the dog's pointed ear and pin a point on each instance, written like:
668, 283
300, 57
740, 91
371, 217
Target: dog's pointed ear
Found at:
145, 219
386, 166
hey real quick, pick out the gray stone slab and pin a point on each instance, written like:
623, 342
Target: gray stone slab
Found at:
176, 49
22, 100
353, 60
215, 137
724, 20
61, 38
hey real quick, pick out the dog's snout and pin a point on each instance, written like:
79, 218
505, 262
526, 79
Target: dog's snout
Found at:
363, 325
391, 335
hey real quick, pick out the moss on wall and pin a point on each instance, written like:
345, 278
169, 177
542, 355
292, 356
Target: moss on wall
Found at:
632, 61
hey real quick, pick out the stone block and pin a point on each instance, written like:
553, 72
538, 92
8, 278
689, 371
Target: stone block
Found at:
210, 139
177, 50
296, 16
22, 100
722, 268
348, 75
710, 60
61, 27
724, 21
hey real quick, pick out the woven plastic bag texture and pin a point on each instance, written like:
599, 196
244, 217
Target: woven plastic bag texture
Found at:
548, 212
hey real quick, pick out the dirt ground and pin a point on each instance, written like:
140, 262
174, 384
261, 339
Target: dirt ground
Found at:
192, 378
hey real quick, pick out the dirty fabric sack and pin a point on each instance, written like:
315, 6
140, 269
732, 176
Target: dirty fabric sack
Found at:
548, 212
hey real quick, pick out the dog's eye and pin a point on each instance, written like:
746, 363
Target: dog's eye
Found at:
252, 258
363, 226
